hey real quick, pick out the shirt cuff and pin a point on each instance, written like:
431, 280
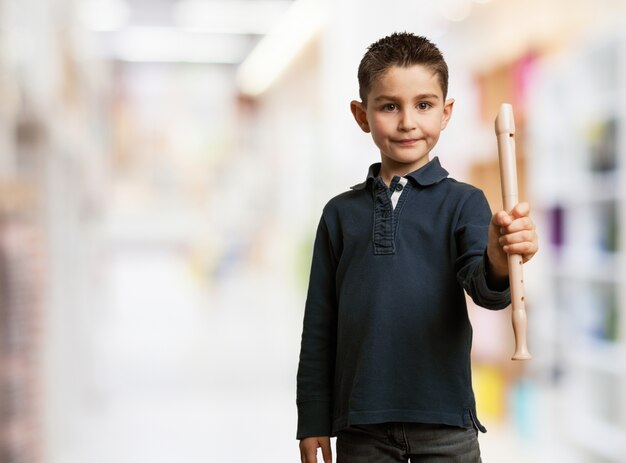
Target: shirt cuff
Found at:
314, 419
482, 294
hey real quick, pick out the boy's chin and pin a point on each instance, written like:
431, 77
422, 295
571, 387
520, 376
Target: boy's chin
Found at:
406, 160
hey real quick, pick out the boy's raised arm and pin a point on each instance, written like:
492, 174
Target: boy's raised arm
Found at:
472, 262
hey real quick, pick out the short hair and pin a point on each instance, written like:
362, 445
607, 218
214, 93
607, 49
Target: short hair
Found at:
400, 49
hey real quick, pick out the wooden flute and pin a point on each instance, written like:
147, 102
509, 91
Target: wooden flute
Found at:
505, 132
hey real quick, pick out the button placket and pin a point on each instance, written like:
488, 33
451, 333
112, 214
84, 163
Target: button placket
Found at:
383, 220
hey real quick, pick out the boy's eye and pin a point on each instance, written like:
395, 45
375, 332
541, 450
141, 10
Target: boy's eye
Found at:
390, 107
424, 106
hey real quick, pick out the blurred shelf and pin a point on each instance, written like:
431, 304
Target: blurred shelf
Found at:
601, 356
590, 266
578, 184
592, 187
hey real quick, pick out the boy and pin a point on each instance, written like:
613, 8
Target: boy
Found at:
385, 354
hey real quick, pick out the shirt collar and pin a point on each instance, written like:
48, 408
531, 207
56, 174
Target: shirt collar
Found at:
428, 174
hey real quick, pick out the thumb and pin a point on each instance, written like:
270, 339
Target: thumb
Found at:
327, 453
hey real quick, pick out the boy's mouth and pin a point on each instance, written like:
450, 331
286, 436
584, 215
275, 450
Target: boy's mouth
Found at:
406, 141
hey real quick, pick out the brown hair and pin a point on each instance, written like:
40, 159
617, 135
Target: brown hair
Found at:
400, 49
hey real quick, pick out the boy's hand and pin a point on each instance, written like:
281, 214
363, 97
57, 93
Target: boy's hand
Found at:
308, 449
510, 234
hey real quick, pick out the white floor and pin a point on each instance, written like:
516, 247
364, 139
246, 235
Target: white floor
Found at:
189, 375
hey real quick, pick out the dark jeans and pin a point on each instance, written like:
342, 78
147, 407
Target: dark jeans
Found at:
403, 442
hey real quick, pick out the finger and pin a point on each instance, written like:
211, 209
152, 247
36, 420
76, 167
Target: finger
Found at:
308, 451
327, 453
501, 219
524, 236
519, 245
517, 225
521, 210
302, 455
525, 249
310, 456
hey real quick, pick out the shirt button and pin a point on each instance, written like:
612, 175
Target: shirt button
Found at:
399, 187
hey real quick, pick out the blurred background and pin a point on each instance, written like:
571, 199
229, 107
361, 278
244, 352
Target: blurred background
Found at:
163, 166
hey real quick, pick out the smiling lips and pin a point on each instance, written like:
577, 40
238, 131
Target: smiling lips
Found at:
406, 141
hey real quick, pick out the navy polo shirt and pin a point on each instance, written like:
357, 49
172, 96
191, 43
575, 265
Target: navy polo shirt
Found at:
386, 335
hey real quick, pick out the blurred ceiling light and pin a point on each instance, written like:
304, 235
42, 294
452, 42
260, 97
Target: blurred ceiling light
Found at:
298, 26
230, 16
172, 45
103, 15
455, 10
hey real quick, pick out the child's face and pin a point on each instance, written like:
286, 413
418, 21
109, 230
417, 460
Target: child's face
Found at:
405, 114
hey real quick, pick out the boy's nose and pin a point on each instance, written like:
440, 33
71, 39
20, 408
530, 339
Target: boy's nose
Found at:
406, 122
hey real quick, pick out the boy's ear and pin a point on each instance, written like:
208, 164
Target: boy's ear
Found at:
447, 112
360, 115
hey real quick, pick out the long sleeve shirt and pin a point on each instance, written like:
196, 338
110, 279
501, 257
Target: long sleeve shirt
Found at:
386, 334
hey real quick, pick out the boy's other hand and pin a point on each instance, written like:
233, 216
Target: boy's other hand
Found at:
308, 449
512, 233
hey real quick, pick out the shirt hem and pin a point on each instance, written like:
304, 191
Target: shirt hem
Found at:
463, 420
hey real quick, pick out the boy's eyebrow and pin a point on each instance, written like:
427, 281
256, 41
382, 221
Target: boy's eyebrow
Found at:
421, 96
